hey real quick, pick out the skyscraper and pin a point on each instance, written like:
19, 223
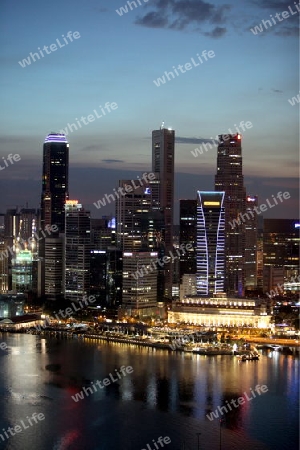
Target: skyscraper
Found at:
188, 235
163, 152
55, 184
77, 251
133, 214
210, 243
251, 237
229, 178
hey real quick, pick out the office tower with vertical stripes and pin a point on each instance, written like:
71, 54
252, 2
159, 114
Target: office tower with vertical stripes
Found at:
210, 243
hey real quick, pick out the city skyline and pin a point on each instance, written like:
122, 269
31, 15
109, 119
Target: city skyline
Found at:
84, 73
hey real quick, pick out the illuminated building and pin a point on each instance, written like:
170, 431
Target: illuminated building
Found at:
163, 155
139, 296
281, 251
54, 263
219, 311
55, 184
11, 305
188, 235
77, 250
210, 243
229, 178
251, 237
134, 217
22, 271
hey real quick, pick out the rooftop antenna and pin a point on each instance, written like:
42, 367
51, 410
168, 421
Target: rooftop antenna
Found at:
162, 125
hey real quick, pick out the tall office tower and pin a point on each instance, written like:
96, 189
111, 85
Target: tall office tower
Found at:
134, 217
229, 178
188, 236
53, 276
22, 271
251, 237
210, 243
55, 184
77, 251
281, 249
103, 233
139, 283
11, 232
28, 228
163, 155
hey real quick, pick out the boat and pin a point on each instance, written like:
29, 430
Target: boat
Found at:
248, 356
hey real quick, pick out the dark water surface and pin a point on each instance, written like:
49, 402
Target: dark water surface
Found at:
167, 394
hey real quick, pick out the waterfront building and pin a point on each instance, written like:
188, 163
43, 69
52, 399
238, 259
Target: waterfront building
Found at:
219, 311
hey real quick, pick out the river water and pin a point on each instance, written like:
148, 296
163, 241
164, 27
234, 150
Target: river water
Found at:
166, 395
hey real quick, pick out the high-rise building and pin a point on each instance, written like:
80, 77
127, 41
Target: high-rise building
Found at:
55, 184
134, 217
22, 271
163, 156
281, 249
251, 237
77, 251
53, 276
210, 243
229, 179
188, 236
139, 283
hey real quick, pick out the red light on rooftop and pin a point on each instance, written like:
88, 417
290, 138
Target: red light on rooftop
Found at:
239, 136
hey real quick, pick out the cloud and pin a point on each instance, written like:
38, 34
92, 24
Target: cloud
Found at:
112, 161
186, 15
192, 140
277, 91
279, 5
91, 148
216, 33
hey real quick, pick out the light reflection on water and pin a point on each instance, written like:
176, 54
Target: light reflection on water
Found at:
168, 394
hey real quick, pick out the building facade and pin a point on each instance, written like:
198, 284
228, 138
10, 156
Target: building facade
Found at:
210, 243
229, 178
77, 251
188, 236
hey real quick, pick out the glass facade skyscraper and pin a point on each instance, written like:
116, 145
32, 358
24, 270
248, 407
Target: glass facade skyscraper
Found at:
230, 179
55, 184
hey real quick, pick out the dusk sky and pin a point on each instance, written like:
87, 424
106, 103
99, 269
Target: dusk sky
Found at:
116, 59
